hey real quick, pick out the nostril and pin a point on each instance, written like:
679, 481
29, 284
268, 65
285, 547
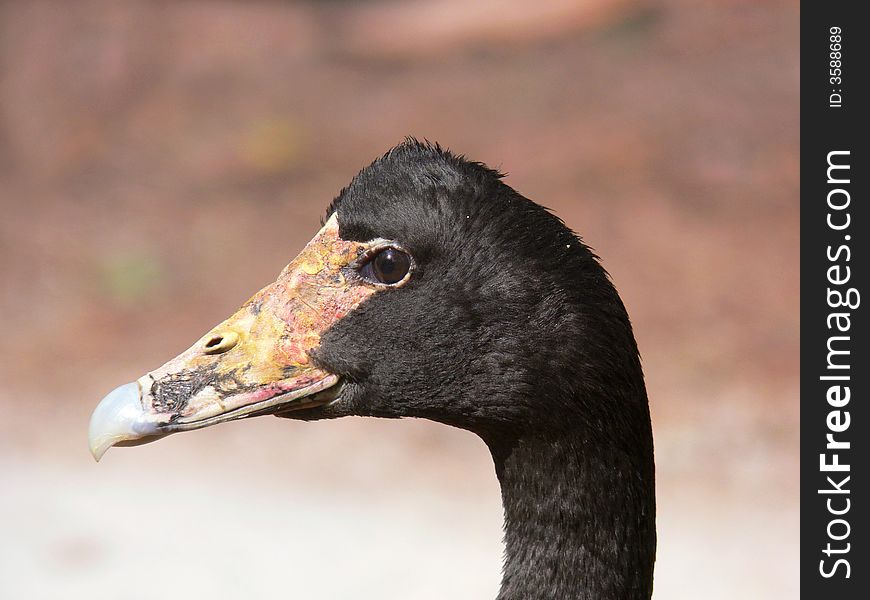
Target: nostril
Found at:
219, 343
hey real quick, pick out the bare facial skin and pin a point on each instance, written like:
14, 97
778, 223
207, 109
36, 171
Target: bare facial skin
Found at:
253, 362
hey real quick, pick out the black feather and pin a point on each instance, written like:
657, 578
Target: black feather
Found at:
509, 328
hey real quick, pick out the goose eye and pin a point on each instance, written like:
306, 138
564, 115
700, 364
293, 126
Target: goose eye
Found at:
388, 266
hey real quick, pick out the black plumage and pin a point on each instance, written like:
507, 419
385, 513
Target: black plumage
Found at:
509, 328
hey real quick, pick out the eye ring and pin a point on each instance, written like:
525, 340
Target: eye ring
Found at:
387, 265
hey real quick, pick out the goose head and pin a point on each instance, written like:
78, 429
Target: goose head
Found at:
434, 290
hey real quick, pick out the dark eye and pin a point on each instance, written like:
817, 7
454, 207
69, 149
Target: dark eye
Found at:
388, 266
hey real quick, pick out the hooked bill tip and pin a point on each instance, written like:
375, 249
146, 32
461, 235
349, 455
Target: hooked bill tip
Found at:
119, 417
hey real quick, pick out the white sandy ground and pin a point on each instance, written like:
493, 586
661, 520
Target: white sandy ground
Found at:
347, 509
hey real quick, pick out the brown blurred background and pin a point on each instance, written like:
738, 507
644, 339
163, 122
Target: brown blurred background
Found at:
161, 161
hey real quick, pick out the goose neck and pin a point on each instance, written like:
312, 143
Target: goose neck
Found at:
579, 515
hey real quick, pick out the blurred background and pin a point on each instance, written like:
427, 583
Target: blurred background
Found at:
162, 161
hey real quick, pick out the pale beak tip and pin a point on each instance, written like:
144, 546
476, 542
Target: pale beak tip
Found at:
98, 451
118, 417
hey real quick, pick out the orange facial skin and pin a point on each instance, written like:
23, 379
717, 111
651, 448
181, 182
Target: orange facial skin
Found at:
262, 351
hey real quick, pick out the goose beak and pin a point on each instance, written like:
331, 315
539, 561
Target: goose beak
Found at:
256, 362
